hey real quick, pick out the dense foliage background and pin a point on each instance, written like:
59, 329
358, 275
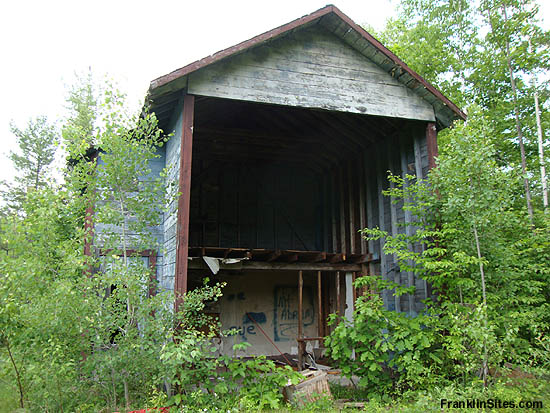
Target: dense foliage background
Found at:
72, 341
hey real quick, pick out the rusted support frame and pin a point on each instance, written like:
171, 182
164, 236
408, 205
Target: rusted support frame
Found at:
186, 149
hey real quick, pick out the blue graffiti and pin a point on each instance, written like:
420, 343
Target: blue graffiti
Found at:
285, 314
250, 329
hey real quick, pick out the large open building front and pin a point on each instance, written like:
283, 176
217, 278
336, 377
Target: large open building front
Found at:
281, 150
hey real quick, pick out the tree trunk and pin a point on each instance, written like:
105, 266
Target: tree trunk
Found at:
541, 153
518, 125
485, 363
17, 375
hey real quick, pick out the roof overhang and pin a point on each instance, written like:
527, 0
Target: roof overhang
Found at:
165, 91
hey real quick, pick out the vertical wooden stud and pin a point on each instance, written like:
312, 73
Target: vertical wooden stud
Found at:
338, 292
351, 209
393, 220
300, 303
320, 305
408, 215
419, 177
333, 216
186, 150
300, 321
342, 208
362, 204
381, 215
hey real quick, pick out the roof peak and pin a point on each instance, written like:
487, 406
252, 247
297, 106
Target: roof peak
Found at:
176, 79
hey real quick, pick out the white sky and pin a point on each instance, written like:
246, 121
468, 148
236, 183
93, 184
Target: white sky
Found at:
43, 43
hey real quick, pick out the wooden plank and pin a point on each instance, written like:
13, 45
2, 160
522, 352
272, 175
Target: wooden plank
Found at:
326, 303
337, 292
289, 257
408, 215
351, 207
320, 306
180, 282
333, 213
312, 256
359, 258
368, 169
362, 203
334, 258
342, 208
393, 220
300, 304
300, 321
326, 214
244, 265
381, 213
419, 178
274, 255
431, 141
285, 72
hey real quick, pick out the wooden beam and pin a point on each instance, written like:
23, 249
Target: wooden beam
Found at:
419, 177
300, 303
431, 142
393, 221
300, 321
198, 264
362, 204
341, 190
186, 150
351, 208
333, 209
337, 293
336, 257
320, 306
274, 255
403, 148
380, 170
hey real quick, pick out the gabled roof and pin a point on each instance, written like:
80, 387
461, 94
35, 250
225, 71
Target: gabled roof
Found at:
163, 91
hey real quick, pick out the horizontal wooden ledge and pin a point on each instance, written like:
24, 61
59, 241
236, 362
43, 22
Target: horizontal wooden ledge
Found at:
199, 264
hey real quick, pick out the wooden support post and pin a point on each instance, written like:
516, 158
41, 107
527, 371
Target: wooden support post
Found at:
300, 302
419, 177
343, 236
320, 305
362, 204
351, 209
431, 142
338, 292
333, 211
393, 220
180, 287
380, 168
408, 215
327, 232
300, 321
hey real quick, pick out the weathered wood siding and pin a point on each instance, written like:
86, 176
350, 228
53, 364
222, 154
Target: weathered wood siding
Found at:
406, 153
310, 68
167, 267
157, 166
249, 205
354, 200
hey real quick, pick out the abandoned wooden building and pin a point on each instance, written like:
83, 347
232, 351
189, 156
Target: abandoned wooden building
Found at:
281, 148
